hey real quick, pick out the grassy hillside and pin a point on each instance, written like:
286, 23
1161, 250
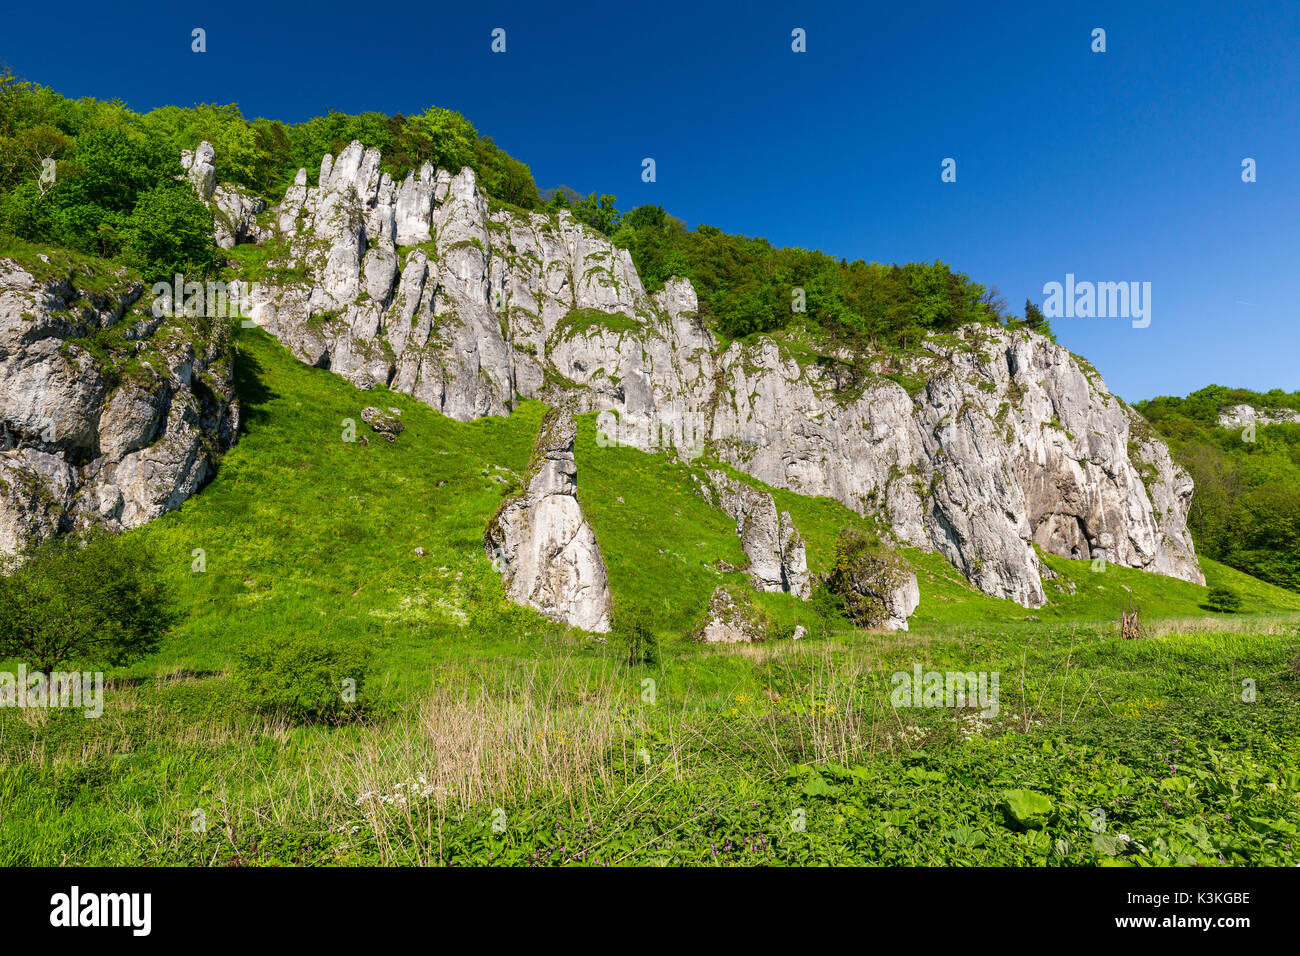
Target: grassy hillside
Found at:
484, 713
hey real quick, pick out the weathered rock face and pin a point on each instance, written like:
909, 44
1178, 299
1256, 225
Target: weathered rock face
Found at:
235, 210
777, 557
1010, 441
389, 425
85, 441
542, 543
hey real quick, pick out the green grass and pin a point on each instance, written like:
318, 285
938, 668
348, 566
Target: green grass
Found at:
480, 706
92, 273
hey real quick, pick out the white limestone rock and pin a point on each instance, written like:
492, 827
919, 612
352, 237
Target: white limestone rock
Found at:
541, 541
777, 557
80, 447
1010, 441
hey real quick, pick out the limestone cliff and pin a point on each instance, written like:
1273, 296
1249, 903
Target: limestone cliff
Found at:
980, 445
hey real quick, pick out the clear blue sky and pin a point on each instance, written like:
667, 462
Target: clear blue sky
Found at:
1122, 166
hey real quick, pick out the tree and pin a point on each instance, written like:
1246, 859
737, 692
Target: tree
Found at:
1223, 600
599, 212
1034, 317
89, 597
170, 232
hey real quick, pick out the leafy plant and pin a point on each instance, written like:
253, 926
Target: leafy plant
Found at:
1028, 808
301, 677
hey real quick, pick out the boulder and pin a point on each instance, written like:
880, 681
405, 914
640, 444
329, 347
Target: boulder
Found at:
730, 618
877, 585
777, 556
388, 425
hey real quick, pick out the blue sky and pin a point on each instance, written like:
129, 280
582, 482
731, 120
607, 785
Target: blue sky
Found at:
1115, 166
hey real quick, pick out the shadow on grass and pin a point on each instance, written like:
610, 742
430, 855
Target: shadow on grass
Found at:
252, 390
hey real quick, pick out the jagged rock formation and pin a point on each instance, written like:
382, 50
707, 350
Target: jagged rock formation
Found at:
777, 557
1240, 416
235, 210
542, 543
990, 442
113, 435
730, 618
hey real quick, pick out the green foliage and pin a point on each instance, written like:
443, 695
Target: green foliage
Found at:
116, 196
301, 677
1035, 319
747, 286
1223, 600
634, 627
87, 598
1246, 508
115, 188
1027, 808
169, 233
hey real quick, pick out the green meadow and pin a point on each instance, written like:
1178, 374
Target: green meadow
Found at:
490, 735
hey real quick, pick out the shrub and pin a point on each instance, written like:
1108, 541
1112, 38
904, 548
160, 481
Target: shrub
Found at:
303, 678
828, 606
91, 597
1223, 600
633, 627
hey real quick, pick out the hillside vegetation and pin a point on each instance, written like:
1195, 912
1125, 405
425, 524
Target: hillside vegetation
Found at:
1246, 510
114, 193
490, 735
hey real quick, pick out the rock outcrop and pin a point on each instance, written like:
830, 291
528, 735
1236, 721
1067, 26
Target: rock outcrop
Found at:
730, 618
109, 415
877, 586
777, 557
1240, 416
981, 446
234, 210
542, 543
389, 425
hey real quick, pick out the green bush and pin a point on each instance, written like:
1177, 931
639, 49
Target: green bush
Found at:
633, 628
864, 574
303, 678
1223, 600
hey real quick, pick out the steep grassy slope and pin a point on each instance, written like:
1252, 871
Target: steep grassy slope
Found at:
481, 706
